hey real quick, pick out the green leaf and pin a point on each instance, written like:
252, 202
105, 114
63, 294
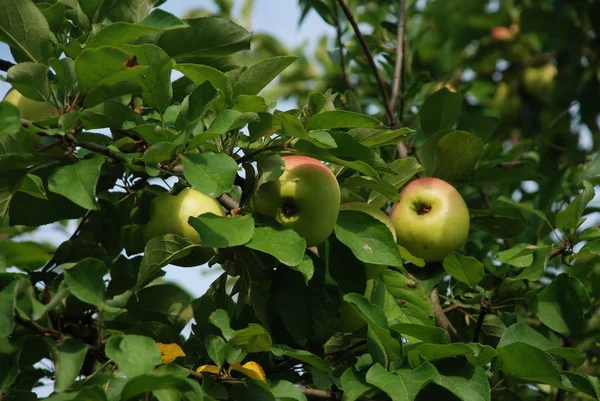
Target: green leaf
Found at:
482, 126
529, 363
257, 76
253, 104
369, 239
416, 379
571, 215
404, 170
474, 352
159, 252
292, 127
68, 357
456, 154
354, 385
386, 137
65, 71
202, 73
253, 338
266, 126
252, 390
403, 299
226, 120
31, 80
305, 267
380, 186
204, 38
33, 185
465, 269
428, 334
159, 152
216, 348
124, 32
222, 232
86, 282
270, 168
104, 67
342, 119
220, 319
286, 391
526, 208
300, 355
77, 182
440, 111
164, 303
10, 118
31, 40
210, 173
388, 382
186, 389
464, 380
285, 245
26, 255
562, 304
8, 302
134, 355
378, 325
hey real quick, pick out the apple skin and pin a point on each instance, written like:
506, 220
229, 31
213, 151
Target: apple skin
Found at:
305, 198
350, 320
431, 219
170, 214
371, 269
31, 110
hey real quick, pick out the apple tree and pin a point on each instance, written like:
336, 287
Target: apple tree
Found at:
423, 226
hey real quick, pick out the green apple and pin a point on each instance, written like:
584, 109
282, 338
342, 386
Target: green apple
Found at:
305, 198
31, 109
431, 219
350, 320
539, 81
169, 214
372, 270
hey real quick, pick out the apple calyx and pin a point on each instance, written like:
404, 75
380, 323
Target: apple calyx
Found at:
422, 208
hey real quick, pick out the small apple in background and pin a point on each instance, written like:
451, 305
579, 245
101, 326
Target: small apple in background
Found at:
539, 81
350, 320
169, 214
31, 110
372, 270
305, 198
431, 219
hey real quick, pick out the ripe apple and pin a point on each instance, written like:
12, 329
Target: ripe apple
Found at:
431, 219
305, 198
372, 270
350, 320
31, 109
169, 214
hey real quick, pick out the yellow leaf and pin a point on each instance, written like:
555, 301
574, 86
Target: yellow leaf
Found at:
251, 369
169, 352
209, 369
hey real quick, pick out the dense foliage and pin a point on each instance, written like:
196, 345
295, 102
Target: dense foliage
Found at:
500, 99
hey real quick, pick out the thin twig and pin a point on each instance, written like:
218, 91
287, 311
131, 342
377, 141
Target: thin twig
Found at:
338, 29
398, 70
228, 202
441, 320
43, 331
484, 310
386, 100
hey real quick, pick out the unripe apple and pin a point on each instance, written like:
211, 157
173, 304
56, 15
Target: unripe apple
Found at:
31, 109
350, 320
169, 214
371, 269
431, 219
539, 81
305, 198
